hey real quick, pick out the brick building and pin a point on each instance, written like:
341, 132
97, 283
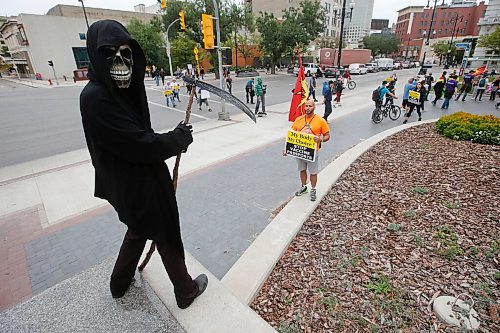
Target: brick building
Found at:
414, 25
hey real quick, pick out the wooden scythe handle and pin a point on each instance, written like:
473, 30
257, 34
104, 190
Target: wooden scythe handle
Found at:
175, 175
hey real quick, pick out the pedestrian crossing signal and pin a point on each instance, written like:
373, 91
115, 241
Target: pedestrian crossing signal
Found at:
163, 4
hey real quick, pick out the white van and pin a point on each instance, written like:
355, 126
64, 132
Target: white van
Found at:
357, 69
385, 64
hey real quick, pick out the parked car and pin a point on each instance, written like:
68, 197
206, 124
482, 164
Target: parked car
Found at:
398, 65
406, 64
372, 67
309, 68
357, 69
332, 71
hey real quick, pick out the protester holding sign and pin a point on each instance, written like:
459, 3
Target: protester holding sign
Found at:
415, 100
310, 123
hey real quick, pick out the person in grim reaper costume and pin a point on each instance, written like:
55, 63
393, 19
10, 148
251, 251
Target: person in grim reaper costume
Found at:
129, 159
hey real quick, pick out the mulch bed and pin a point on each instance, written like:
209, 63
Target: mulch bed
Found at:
414, 218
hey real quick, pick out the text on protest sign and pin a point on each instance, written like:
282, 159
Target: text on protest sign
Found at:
414, 97
301, 145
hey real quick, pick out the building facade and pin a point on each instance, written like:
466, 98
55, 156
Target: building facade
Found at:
276, 7
487, 25
33, 40
360, 24
459, 18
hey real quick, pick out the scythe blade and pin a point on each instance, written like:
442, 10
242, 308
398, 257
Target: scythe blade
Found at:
223, 94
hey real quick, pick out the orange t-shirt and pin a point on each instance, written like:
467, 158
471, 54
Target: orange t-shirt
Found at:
317, 125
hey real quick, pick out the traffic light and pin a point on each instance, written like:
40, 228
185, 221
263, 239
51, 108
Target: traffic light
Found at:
208, 31
181, 20
163, 4
51, 64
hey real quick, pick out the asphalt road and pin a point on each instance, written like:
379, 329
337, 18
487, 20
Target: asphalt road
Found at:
37, 123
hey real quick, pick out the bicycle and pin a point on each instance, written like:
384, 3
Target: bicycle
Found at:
351, 84
388, 110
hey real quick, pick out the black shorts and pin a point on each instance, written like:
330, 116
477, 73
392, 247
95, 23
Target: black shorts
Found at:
405, 103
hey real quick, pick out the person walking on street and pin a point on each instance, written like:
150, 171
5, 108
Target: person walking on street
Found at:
168, 92
156, 75
429, 80
249, 90
311, 82
438, 89
406, 92
466, 85
494, 88
310, 123
162, 75
202, 73
417, 103
450, 88
481, 87
176, 89
229, 83
339, 87
259, 94
204, 96
327, 98
129, 159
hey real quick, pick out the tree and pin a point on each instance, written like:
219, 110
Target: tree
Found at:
381, 45
299, 27
182, 51
150, 38
441, 50
491, 41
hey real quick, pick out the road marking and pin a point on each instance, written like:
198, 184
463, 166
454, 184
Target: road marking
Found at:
168, 107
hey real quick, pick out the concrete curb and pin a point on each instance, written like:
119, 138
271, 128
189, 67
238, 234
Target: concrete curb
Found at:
217, 310
252, 269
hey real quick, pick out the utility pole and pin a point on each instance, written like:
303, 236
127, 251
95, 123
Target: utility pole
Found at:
422, 70
168, 48
223, 114
84, 13
342, 20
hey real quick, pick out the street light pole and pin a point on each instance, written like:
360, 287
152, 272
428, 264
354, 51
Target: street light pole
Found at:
342, 20
168, 48
84, 13
422, 71
223, 114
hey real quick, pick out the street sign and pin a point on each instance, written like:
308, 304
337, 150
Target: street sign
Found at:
195, 50
462, 45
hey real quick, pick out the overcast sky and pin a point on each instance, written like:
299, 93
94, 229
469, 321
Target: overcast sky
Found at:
383, 9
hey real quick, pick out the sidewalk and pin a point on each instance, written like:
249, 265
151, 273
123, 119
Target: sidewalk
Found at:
44, 83
51, 201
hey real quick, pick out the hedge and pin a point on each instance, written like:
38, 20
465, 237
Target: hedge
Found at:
466, 126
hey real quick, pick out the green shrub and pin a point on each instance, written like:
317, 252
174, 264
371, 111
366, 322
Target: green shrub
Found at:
466, 126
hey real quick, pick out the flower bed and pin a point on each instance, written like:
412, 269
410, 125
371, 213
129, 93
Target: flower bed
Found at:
466, 126
414, 218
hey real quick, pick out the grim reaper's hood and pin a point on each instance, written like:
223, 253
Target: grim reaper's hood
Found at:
111, 33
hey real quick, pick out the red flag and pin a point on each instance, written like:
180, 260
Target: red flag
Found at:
300, 94
480, 70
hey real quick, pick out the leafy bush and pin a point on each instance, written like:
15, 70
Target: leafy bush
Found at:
466, 126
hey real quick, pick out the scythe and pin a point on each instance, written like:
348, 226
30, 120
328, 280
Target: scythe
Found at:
175, 173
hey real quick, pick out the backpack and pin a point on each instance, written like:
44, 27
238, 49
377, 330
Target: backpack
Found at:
482, 82
339, 85
376, 95
325, 88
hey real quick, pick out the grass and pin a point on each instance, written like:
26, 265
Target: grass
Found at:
381, 286
394, 227
419, 241
450, 248
420, 190
452, 205
328, 300
288, 300
482, 295
410, 213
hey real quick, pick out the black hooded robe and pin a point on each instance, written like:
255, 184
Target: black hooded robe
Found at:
128, 156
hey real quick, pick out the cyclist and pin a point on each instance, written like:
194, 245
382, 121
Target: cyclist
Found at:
379, 93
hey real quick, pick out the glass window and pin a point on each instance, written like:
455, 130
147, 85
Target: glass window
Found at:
81, 57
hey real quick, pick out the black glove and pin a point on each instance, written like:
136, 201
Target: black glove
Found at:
186, 137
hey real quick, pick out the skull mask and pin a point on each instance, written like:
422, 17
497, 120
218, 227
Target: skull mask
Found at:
120, 64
